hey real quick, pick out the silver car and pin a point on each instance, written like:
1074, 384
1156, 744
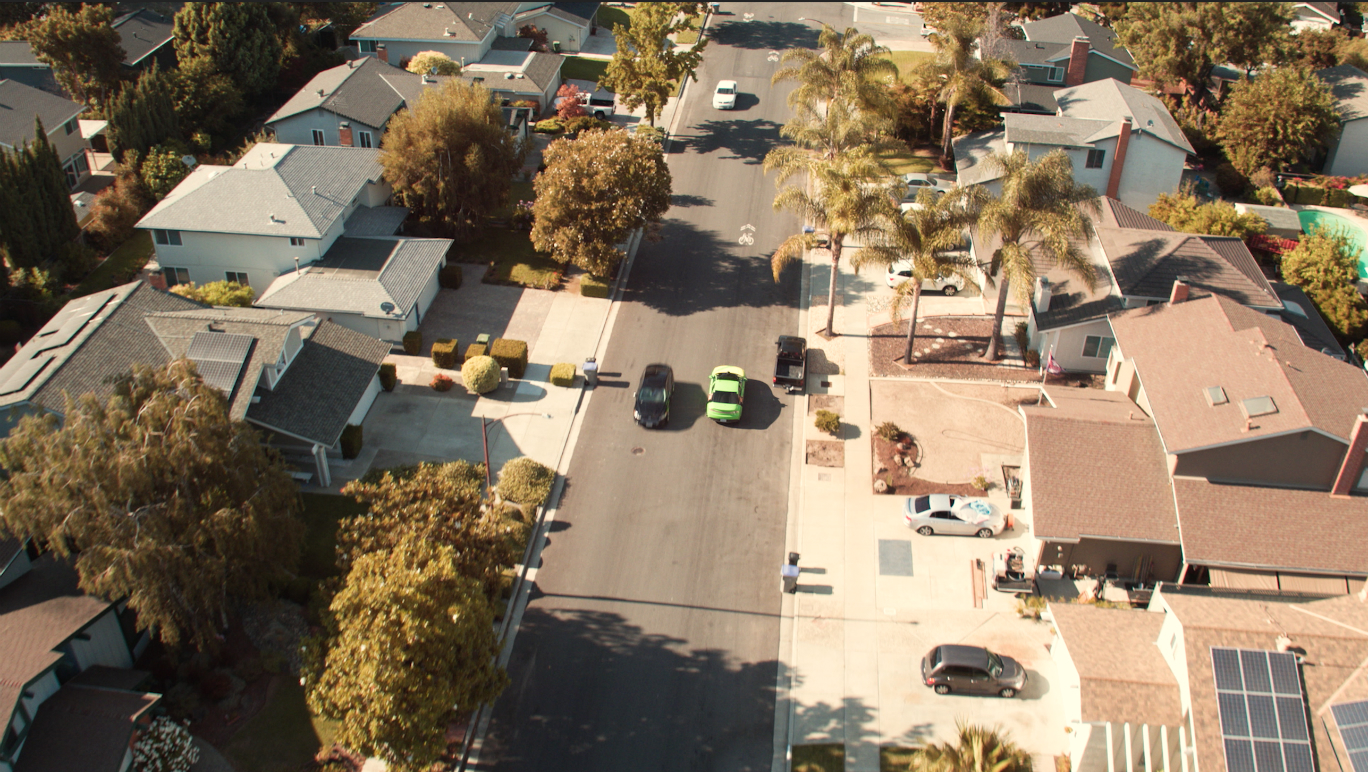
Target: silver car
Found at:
901, 271
955, 515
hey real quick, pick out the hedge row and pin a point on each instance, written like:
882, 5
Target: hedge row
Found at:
511, 354
1312, 196
563, 374
444, 353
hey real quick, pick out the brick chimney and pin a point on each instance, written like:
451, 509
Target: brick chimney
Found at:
344, 134
1353, 459
1119, 162
1179, 293
1078, 61
156, 279
382, 53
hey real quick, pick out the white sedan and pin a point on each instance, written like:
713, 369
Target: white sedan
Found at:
956, 515
901, 271
724, 98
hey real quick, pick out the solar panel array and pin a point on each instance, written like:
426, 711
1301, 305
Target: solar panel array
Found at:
1352, 719
1263, 713
219, 357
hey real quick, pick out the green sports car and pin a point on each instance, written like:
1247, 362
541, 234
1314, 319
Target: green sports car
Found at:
726, 392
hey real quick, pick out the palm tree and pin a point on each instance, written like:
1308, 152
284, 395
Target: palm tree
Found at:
964, 76
976, 749
924, 236
847, 65
1041, 209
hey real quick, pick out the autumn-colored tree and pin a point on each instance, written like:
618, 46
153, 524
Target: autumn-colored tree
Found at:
159, 497
217, 293
1325, 265
411, 646
344, 17
116, 212
240, 39
450, 158
570, 102
647, 68
595, 191
1185, 213
433, 63
538, 36
82, 48
1274, 119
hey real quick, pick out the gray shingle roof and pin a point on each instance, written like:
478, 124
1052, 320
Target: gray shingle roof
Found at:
1065, 27
316, 396
371, 221
1117, 214
275, 190
1299, 312
971, 156
141, 33
364, 90
357, 275
18, 52
1111, 100
81, 727
539, 69
21, 104
1123, 677
579, 13
1052, 130
1033, 52
1031, 98
466, 22
1349, 85
1146, 263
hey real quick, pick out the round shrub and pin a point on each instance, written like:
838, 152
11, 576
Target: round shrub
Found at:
480, 374
827, 421
526, 482
441, 383
888, 431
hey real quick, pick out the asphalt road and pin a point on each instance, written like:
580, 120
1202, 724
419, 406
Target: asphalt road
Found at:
651, 637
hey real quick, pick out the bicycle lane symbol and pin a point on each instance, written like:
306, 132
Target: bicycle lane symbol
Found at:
747, 235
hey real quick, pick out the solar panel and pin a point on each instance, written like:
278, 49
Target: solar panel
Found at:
24, 375
1263, 712
219, 357
1352, 719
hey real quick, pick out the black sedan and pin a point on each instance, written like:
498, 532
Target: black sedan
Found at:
652, 409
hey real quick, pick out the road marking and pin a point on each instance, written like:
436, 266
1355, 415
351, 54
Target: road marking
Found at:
773, 56
747, 235
748, 17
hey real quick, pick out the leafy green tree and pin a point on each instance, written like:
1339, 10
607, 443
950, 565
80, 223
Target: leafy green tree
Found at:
165, 746
450, 158
938, 15
1040, 211
847, 65
205, 100
975, 749
345, 17
1316, 49
162, 170
143, 114
646, 67
159, 497
964, 75
82, 48
36, 218
1219, 218
411, 646
217, 293
595, 191
239, 38
1325, 265
433, 63
1274, 119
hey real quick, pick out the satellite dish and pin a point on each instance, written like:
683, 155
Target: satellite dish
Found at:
387, 308
189, 161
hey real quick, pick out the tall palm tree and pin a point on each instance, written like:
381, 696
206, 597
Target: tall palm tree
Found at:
847, 65
964, 76
976, 749
925, 236
1041, 209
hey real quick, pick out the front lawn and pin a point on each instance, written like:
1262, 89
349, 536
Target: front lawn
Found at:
903, 162
127, 259
609, 15
907, 61
284, 736
514, 258
521, 191
581, 68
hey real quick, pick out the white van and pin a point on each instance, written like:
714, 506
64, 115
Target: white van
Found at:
602, 104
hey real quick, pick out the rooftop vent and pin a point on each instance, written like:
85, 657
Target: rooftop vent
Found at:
508, 76
1294, 308
447, 31
1215, 395
1257, 406
320, 93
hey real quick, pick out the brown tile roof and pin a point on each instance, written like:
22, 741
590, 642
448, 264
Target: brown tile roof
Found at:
1180, 350
1117, 215
1097, 469
83, 729
1276, 528
1123, 676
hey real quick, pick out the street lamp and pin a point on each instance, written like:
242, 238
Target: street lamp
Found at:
484, 439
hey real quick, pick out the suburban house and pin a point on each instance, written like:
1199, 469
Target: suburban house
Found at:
348, 105
516, 75
19, 63
146, 38
68, 696
1349, 150
1122, 141
1223, 451
21, 105
300, 379
466, 32
1212, 680
1315, 16
1061, 51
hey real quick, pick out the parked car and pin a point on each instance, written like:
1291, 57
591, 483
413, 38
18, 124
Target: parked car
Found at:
724, 98
790, 363
953, 669
602, 104
915, 181
726, 393
927, 30
901, 271
652, 409
956, 515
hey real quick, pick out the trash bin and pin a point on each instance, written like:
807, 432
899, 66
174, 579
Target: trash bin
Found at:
590, 372
715, 7
789, 575
555, 46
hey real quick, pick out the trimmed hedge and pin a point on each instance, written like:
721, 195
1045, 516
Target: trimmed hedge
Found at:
444, 353
450, 277
351, 441
389, 376
480, 374
526, 482
549, 126
592, 287
474, 350
511, 354
563, 374
827, 421
413, 343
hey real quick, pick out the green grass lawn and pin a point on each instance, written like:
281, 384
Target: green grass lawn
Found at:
322, 511
687, 37
825, 757
580, 68
903, 162
610, 15
134, 254
907, 60
513, 256
284, 736
521, 191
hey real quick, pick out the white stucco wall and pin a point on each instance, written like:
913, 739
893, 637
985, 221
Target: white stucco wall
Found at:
430, 291
1152, 167
298, 129
1068, 343
105, 647
207, 256
570, 36
1069, 684
366, 325
1349, 154
363, 405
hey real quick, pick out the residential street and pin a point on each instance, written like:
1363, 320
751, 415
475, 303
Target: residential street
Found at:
651, 637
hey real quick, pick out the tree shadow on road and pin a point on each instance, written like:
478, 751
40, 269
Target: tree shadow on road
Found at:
746, 140
773, 35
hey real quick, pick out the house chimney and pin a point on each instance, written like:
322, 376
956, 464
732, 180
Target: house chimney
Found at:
1353, 459
1179, 293
1078, 61
1119, 162
382, 53
156, 279
344, 134
1042, 295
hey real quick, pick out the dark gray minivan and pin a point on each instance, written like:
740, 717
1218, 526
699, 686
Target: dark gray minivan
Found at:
972, 670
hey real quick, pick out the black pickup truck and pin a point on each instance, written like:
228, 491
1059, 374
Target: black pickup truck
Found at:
790, 364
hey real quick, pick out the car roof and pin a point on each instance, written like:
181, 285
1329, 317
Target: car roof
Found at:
956, 654
731, 83
727, 385
733, 369
655, 375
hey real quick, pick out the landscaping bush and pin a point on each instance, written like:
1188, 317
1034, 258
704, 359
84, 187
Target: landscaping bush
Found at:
10, 332
827, 421
511, 354
441, 382
563, 374
444, 353
1339, 198
1022, 336
1363, 349
480, 374
1032, 358
474, 350
413, 343
888, 431
216, 686
351, 441
585, 123
389, 376
1230, 181
1268, 197
549, 126
450, 277
526, 482
593, 287
75, 261
1307, 195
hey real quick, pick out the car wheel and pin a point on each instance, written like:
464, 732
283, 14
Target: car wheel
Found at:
942, 688
950, 290
985, 533
926, 530
1008, 692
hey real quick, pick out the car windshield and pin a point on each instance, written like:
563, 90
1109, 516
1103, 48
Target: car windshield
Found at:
726, 90
994, 664
601, 101
726, 397
651, 394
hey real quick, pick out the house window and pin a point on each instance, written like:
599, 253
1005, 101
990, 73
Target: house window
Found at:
1056, 75
1097, 346
363, 139
318, 137
70, 126
367, 46
175, 276
240, 278
296, 242
1095, 157
168, 238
